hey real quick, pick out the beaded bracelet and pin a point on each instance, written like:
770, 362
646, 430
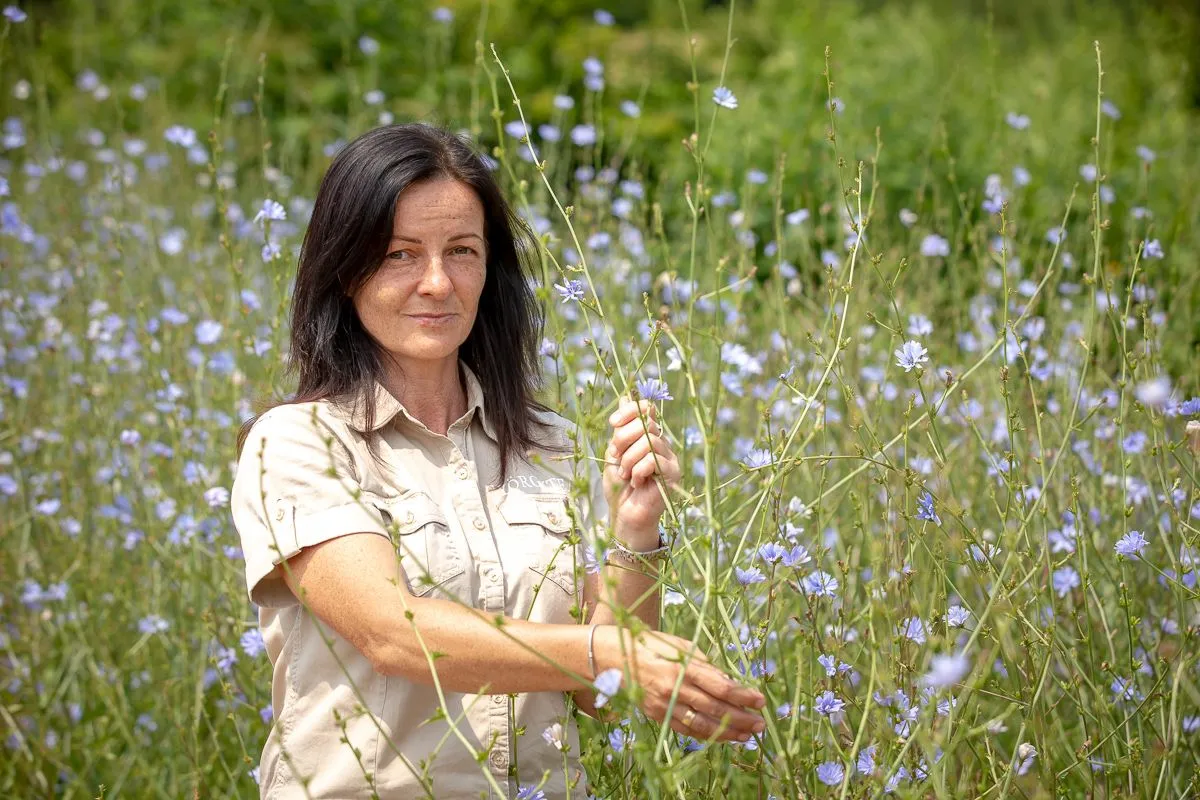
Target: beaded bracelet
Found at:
619, 552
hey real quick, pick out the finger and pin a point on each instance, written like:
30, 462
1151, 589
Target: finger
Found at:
639, 450
653, 462
722, 687
703, 726
740, 721
663, 462
612, 456
645, 470
672, 473
628, 410
624, 411
633, 430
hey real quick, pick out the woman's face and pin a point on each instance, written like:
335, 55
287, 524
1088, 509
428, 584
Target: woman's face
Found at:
421, 303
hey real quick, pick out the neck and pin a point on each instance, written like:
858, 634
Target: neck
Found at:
432, 393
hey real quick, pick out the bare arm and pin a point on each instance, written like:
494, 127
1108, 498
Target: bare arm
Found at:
619, 586
635, 455
355, 585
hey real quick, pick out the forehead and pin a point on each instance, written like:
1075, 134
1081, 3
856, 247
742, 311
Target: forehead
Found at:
438, 203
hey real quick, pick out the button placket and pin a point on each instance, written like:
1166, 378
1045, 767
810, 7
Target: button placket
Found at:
470, 505
499, 719
493, 588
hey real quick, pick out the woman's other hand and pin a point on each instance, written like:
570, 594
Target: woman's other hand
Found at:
724, 710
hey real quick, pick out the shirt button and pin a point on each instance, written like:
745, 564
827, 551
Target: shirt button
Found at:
498, 699
480, 523
463, 473
493, 576
498, 759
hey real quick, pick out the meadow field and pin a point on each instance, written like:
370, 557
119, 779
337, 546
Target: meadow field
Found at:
914, 286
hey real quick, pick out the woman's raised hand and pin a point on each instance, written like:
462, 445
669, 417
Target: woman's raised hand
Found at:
710, 704
636, 454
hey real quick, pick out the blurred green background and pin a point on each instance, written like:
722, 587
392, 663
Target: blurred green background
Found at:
925, 72
927, 84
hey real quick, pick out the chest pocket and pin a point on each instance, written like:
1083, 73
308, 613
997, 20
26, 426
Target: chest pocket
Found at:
429, 551
541, 522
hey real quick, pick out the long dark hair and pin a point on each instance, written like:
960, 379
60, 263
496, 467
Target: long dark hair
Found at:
346, 242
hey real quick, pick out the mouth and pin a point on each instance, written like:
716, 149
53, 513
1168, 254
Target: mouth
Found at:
430, 319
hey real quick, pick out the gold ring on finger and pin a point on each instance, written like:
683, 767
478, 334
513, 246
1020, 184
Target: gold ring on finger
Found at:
689, 717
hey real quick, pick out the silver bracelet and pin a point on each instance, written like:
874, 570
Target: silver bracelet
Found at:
622, 553
591, 650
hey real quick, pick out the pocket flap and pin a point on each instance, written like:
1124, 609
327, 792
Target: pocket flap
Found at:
547, 510
410, 512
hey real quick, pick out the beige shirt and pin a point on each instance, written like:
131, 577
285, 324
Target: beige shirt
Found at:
306, 476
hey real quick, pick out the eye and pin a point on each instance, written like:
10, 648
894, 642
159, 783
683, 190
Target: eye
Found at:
463, 250
399, 255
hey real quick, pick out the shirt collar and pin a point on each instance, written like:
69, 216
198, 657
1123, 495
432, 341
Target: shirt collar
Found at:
387, 407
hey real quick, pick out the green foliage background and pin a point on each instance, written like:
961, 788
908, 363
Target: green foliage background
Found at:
928, 83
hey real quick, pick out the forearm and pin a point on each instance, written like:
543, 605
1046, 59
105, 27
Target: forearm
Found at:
478, 655
354, 585
634, 589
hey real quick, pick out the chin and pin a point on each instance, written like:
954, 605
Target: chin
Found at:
427, 348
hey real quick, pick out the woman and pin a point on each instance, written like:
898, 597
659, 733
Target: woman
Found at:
410, 533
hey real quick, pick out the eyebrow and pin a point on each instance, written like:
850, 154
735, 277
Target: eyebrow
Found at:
455, 238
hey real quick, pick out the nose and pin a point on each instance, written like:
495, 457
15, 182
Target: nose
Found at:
435, 282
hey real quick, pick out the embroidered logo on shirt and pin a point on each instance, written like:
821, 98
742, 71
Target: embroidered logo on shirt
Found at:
532, 482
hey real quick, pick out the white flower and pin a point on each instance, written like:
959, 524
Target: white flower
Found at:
1154, 393
946, 670
554, 736
1026, 753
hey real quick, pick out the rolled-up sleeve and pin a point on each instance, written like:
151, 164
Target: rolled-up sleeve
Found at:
296, 486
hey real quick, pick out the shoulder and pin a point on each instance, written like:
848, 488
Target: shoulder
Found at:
554, 430
292, 413
291, 418
298, 425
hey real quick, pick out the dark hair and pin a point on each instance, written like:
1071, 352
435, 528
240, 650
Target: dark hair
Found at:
346, 242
